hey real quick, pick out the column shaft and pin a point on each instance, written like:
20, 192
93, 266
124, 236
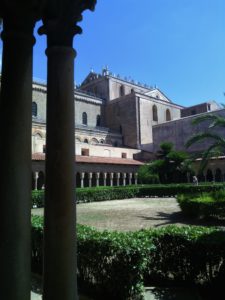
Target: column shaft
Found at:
15, 162
59, 231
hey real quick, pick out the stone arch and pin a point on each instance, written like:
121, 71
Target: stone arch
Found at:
86, 141
154, 113
84, 118
168, 115
94, 141
78, 139
102, 141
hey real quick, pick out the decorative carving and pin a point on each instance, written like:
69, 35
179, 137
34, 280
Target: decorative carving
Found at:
60, 20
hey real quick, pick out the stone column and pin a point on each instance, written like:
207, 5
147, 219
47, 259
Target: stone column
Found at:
117, 179
130, 178
104, 178
82, 179
15, 149
35, 180
59, 24
97, 178
124, 179
111, 179
90, 179
135, 178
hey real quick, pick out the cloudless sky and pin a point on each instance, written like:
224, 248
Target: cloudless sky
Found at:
178, 45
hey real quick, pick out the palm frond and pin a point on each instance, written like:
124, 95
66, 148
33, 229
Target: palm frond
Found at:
205, 135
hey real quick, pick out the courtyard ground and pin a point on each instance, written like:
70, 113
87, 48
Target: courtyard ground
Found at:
132, 214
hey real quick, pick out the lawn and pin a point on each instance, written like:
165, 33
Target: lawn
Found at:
131, 214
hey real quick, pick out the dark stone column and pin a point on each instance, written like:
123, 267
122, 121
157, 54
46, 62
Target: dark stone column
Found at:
15, 157
60, 217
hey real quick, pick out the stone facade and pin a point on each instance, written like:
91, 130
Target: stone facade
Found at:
119, 118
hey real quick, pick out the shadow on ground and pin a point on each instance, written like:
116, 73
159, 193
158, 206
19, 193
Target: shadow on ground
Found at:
179, 218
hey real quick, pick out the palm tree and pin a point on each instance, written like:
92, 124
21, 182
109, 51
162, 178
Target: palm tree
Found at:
218, 142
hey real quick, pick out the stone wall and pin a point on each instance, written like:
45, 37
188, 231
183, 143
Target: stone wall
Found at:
179, 131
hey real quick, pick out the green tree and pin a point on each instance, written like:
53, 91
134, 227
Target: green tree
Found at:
171, 166
217, 146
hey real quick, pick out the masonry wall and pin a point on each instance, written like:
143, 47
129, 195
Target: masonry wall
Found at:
179, 131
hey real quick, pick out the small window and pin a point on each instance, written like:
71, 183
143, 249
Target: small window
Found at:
168, 115
85, 152
209, 107
124, 155
86, 141
122, 91
84, 118
34, 109
98, 120
154, 113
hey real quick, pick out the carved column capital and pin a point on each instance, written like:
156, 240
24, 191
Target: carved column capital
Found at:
60, 18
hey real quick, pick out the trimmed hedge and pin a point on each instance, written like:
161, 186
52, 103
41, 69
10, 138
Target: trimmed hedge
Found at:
203, 205
111, 193
113, 265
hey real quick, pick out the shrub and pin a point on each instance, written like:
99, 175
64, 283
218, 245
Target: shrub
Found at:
203, 205
113, 265
111, 193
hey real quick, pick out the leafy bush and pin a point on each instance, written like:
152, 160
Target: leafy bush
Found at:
203, 205
124, 192
113, 265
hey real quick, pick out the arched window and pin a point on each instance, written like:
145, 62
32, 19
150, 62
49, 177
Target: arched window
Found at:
122, 91
98, 120
168, 115
154, 113
84, 118
34, 109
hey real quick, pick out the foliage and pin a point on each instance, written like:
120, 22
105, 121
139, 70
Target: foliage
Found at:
203, 205
170, 167
113, 265
217, 146
125, 192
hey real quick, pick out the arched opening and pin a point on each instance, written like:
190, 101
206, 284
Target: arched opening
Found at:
108, 179
154, 113
209, 175
101, 179
78, 180
86, 141
86, 180
94, 141
32, 181
93, 180
40, 180
84, 118
218, 175
122, 90
168, 115
98, 120
34, 109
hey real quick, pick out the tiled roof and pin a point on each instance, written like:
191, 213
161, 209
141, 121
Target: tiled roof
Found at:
95, 160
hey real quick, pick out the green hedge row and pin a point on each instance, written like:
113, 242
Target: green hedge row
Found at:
113, 265
111, 193
203, 205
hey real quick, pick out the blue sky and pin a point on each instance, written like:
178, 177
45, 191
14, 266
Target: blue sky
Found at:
178, 45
